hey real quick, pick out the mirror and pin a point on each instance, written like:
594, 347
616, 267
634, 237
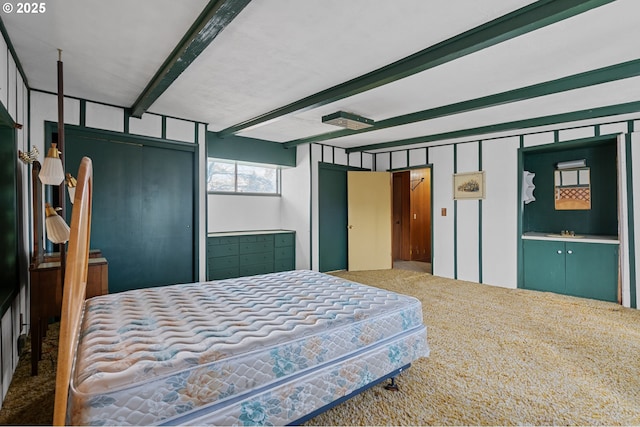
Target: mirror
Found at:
572, 189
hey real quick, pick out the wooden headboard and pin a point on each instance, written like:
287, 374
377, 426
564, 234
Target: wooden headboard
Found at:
74, 287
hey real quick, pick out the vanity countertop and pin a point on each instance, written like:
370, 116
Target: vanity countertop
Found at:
583, 238
246, 233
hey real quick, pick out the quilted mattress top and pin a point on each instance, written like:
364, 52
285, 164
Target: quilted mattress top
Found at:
141, 335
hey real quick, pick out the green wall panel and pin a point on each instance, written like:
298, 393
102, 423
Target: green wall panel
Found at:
251, 150
602, 218
9, 218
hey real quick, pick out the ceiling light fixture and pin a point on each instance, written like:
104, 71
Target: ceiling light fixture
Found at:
347, 120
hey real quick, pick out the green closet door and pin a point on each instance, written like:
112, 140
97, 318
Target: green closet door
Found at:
143, 213
167, 218
332, 218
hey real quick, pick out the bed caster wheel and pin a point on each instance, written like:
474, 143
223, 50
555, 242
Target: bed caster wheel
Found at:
392, 385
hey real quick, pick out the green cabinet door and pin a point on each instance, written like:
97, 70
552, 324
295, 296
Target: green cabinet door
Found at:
544, 265
592, 270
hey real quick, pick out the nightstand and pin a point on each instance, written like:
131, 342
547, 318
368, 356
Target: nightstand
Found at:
46, 296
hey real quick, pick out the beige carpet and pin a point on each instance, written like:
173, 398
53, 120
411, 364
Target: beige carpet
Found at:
498, 357
506, 357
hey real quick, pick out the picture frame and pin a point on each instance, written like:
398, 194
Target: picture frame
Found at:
469, 186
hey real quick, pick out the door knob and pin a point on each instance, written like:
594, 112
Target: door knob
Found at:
349, 227
559, 252
569, 252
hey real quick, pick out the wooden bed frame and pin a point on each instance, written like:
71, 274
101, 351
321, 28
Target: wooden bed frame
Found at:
74, 287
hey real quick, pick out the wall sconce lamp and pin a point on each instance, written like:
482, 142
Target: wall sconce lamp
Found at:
57, 230
52, 172
71, 186
30, 156
572, 164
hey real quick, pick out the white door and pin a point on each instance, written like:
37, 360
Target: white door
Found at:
369, 220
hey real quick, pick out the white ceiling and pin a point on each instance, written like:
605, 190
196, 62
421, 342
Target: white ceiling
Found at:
279, 51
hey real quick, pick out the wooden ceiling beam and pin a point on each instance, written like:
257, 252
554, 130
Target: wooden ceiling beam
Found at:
214, 18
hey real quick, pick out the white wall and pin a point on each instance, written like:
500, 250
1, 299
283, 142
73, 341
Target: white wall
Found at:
500, 212
442, 198
296, 204
468, 217
243, 212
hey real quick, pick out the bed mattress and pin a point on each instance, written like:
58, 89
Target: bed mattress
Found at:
260, 350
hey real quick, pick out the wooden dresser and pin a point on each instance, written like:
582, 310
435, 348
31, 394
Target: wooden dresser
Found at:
46, 295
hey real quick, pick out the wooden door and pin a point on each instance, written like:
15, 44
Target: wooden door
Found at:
401, 216
369, 217
421, 215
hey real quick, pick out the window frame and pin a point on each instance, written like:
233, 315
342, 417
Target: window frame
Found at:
235, 164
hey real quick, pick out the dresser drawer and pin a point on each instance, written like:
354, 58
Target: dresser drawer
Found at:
254, 247
267, 238
258, 258
284, 265
285, 239
223, 273
226, 240
284, 252
251, 270
223, 250
223, 262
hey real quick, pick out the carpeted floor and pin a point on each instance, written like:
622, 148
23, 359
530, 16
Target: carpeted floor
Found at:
498, 357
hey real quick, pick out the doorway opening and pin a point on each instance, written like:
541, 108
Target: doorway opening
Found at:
411, 233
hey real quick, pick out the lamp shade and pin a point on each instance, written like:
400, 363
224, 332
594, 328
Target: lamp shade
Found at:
57, 230
52, 172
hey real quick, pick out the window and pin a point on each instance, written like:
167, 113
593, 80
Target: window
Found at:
224, 176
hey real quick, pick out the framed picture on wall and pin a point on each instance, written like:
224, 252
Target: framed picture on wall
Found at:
468, 185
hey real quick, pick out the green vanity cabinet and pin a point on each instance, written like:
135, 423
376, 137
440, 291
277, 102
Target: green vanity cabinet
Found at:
544, 265
246, 254
588, 270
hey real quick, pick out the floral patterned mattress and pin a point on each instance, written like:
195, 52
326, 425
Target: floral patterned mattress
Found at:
260, 350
